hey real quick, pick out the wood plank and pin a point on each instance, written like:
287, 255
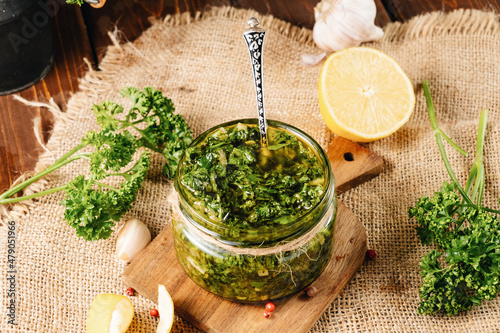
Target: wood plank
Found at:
131, 17
352, 164
127, 16
300, 12
157, 264
382, 17
402, 10
19, 149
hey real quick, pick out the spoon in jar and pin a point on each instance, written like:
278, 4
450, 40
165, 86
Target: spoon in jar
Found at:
254, 37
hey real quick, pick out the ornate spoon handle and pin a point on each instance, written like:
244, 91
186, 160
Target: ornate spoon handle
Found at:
255, 41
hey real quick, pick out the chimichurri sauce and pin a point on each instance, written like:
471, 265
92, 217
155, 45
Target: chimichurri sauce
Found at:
230, 179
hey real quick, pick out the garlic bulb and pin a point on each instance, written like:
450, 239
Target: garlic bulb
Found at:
345, 23
132, 238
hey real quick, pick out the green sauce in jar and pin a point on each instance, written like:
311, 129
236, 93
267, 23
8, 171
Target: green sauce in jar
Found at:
249, 199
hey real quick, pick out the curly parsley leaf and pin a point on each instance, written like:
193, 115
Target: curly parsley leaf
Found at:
166, 133
91, 207
113, 151
106, 113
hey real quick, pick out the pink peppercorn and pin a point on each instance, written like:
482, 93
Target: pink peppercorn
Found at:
371, 255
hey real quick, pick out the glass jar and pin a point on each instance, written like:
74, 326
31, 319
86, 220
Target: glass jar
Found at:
256, 264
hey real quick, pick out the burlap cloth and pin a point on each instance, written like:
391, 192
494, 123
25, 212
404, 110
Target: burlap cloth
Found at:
203, 65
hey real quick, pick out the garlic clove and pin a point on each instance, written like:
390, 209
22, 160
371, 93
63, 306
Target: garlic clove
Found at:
132, 238
376, 34
345, 23
312, 59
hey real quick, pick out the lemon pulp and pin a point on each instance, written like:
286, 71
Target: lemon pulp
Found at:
165, 309
109, 313
364, 95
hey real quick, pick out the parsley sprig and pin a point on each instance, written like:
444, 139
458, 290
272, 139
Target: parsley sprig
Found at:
465, 269
77, 2
93, 205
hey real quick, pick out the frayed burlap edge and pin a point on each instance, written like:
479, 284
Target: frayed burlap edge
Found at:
459, 22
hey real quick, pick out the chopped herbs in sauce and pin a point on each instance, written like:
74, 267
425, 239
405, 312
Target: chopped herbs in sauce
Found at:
230, 179
252, 197
250, 278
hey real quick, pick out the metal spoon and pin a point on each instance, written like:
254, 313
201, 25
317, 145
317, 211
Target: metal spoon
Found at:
255, 41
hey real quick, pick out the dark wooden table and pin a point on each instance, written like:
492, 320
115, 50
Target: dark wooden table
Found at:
82, 33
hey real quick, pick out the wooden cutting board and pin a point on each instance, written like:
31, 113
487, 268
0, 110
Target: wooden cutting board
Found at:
157, 264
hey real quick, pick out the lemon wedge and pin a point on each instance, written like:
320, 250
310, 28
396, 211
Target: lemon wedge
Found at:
165, 309
364, 95
109, 313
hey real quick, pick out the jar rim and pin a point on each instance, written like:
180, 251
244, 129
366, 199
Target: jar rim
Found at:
242, 237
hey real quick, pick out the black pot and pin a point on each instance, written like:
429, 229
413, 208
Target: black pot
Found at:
26, 48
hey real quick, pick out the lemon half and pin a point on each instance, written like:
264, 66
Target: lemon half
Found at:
364, 95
